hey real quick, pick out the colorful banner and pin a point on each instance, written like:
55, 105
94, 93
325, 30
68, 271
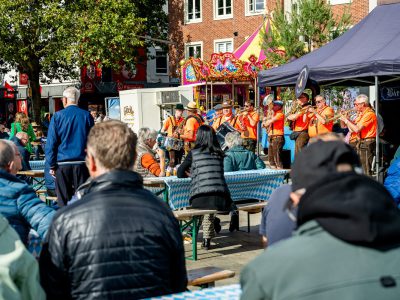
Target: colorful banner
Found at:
22, 106
9, 92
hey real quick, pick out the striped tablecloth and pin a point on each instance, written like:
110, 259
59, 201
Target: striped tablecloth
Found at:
227, 292
254, 184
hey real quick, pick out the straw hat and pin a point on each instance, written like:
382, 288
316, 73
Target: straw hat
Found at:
34, 124
191, 106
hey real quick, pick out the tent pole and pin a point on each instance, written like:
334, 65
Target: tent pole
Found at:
257, 102
377, 154
233, 93
211, 94
206, 96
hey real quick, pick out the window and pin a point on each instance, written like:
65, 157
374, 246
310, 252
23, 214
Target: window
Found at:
193, 50
223, 9
222, 46
161, 62
193, 10
255, 7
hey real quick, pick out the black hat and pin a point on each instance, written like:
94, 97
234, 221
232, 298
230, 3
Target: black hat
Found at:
179, 106
319, 159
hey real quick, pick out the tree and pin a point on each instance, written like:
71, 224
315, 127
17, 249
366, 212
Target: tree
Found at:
310, 25
53, 39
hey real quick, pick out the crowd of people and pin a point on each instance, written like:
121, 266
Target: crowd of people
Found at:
332, 233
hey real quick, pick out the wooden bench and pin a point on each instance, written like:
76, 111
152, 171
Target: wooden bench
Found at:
251, 208
189, 219
207, 276
49, 199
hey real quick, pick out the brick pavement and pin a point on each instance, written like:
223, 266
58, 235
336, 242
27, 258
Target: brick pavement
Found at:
229, 250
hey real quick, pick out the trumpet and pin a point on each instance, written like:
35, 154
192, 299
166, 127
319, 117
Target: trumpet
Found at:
338, 115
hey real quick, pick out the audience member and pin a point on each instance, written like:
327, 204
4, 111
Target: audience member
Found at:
146, 162
22, 124
237, 158
392, 180
65, 146
18, 201
3, 133
19, 271
20, 140
119, 241
206, 191
348, 225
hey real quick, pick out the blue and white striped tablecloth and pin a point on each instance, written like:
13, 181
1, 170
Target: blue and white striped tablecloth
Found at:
227, 292
254, 184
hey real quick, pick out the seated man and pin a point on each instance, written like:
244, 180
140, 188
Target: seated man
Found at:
21, 140
346, 245
19, 270
119, 241
237, 158
18, 201
146, 163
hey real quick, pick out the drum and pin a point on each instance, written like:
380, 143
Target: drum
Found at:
222, 131
171, 143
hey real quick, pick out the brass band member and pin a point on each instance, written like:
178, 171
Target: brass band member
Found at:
228, 116
172, 124
250, 121
321, 118
276, 139
192, 123
300, 123
217, 120
365, 127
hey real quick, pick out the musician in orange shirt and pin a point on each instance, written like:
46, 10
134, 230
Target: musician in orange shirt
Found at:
250, 120
192, 123
321, 118
366, 128
172, 124
276, 140
300, 121
229, 117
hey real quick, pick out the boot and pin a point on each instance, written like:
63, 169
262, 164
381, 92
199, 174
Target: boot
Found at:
234, 223
206, 244
217, 225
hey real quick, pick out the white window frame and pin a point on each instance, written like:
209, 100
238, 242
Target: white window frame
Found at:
158, 49
227, 40
194, 20
223, 17
248, 12
338, 2
198, 43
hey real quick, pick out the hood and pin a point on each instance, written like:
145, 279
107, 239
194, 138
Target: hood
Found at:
353, 208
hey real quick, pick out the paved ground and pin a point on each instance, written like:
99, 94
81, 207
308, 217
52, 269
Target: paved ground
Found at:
229, 250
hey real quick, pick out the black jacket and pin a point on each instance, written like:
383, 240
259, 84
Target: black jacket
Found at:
208, 188
118, 242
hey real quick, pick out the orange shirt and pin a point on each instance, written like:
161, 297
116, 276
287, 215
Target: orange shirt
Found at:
251, 130
217, 122
354, 135
369, 122
148, 162
300, 124
315, 127
277, 127
170, 124
191, 125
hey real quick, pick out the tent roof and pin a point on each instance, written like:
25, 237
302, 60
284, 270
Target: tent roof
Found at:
370, 48
252, 45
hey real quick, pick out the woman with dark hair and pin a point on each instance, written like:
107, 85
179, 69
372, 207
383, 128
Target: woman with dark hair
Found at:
208, 189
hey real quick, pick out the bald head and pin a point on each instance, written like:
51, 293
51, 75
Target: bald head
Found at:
23, 137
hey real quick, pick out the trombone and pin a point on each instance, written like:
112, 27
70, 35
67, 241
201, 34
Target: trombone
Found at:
339, 114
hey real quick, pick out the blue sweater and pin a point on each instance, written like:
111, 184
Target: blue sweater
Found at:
21, 207
67, 135
392, 181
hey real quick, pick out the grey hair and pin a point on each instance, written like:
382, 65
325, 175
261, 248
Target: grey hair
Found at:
364, 98
146, 134
21, 134
72, 94
7, 153
233, 139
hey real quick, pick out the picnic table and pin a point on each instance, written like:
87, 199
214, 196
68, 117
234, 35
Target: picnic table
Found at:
231, 292
37, 178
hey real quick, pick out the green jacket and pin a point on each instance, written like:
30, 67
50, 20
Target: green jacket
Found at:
239, 159
315, 265
19, 273
16, 127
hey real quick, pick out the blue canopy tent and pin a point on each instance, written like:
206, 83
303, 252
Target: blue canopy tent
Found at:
367, 54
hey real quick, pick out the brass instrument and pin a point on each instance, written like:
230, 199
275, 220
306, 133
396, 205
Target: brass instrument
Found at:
338, 115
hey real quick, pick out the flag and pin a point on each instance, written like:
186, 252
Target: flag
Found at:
9, 92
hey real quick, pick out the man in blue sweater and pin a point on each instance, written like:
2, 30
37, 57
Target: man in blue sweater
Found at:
66, 143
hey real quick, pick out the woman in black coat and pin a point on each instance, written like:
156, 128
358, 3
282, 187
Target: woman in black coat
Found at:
208, 189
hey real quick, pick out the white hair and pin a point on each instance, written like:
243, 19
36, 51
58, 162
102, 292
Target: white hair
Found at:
146, 134
363, 98
7, 153
233, 139
72, 94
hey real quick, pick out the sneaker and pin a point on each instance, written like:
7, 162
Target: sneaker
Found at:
234, 223
187, 240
